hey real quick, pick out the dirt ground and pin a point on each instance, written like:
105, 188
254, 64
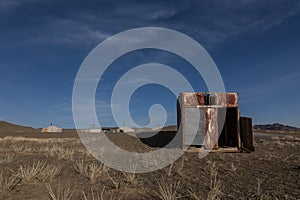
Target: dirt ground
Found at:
57, 166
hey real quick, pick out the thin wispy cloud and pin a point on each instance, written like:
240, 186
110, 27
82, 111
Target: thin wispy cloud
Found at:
43, 44
7, 4
210, 22
269, 88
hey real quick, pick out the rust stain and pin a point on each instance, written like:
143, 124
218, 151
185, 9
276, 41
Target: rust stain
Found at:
191, 100
200, 98
220, 99
232, 100
211, 136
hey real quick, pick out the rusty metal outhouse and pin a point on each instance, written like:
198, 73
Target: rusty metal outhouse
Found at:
211, 121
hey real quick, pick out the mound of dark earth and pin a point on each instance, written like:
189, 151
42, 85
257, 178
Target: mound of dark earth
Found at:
6, 126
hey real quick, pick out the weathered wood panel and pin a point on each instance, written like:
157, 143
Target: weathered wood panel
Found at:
247, 137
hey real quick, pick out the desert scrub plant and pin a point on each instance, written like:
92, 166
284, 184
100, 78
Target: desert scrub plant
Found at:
60, 193
84, 152
117, 181
180, 166
65, 154
29, 172
131, 178
8, 183
114, 195
18, 148
215, 184
29, 148
194, 195
119, 195
169, 171
95, 171
7, 158
91, 170
80, 167
93, 195
59, 151
54, 149
176, 167
49, 173
167, 191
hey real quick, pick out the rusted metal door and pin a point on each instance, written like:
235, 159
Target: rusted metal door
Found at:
247, 138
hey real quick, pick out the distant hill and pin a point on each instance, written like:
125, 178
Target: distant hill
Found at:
170, 128
275, 127
6, 126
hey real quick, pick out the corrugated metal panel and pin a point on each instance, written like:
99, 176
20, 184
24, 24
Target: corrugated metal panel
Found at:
192, 116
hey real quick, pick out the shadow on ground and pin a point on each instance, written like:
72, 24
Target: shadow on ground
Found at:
161, 139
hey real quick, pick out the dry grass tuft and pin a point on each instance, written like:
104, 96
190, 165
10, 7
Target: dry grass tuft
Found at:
18, 148
49, 173
65, 154
95, 171
177, 167
93, 195
113, 196
116, 181
39, 140
80, 167
7, 158
8, 183
60, 152
84, 152
59, 193
215, 184
167, 191
180, 166
29, 172
131, 178
90, 170
169, 171
194, 195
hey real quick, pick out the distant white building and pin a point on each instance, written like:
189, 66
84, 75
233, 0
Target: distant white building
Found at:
52, 129
90, 130
157, 128
94, 130
126, 129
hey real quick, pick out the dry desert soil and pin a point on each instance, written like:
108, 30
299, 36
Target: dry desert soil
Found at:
57, 166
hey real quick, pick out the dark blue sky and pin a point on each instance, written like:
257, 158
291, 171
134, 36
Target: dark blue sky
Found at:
255, 45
